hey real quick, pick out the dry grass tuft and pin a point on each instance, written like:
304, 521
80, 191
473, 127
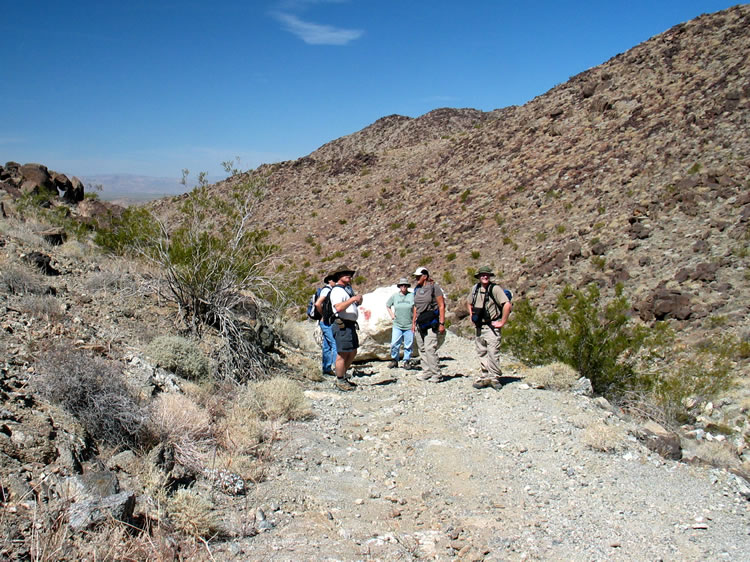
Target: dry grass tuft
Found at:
41, 307
241, 431
18, 280
275, 399
177, 420
555, 376
603, 437
715, 453
193, 515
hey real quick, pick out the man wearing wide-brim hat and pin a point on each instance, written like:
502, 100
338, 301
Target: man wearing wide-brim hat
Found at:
400, 306
345, 306
489, 309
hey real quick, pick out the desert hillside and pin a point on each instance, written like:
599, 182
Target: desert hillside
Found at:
635, 171
140, 420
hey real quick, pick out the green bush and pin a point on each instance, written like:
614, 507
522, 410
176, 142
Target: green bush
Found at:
598, 340
128, 233
180, 356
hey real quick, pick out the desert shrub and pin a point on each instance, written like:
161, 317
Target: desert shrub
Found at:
276, 399
94, 391
702, 371
178, 421
42, 307
192, 514
19, 281
212, 264
555, 376
128, 233
180, 356
597, 339
241, 430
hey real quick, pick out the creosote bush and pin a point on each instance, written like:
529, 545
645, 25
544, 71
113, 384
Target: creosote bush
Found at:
213, 265
94, 391
599, 341
621, 358
180, 356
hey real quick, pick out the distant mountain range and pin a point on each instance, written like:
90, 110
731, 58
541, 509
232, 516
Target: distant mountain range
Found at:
133, 188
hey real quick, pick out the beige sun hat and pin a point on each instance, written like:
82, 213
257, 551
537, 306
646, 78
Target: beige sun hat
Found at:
403, 281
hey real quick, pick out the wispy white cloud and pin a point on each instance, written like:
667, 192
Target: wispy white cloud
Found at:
315, 33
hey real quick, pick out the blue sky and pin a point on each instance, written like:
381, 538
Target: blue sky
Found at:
150, 87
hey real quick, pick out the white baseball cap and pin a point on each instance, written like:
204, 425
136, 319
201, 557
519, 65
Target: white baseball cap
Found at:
420, 271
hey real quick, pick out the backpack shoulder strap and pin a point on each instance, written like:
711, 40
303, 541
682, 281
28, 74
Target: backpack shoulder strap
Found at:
474, 294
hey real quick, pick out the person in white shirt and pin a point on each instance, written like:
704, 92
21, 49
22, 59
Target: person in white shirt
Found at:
345, 306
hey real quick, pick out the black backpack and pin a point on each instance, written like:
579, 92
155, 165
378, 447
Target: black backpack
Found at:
329, 313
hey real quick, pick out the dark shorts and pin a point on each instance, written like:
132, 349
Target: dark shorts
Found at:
345, 334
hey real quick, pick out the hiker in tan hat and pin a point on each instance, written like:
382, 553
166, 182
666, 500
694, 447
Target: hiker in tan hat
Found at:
345, 305
400, 306
489, 309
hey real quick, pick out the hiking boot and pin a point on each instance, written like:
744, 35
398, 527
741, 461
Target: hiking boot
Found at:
486, 382
408, 364
329, 372
423, 376
392, 364
436, 378
345, 385
412, 365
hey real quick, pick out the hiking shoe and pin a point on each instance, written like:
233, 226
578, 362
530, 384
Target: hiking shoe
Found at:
345, 385
423, 376
436, 378
407, 364
486, 382
329, 372
412, 365
393, 364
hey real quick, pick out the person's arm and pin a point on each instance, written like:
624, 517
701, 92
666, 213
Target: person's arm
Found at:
389, 305
441, 310
351, 300
507, 307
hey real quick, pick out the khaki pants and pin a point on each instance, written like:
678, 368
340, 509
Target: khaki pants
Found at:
487, 343
428, 342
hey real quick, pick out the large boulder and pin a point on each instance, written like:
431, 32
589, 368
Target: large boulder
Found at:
375, 325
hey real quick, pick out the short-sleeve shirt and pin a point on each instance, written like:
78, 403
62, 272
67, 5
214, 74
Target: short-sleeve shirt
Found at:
493, 311
340, 294
402, 308
423, 297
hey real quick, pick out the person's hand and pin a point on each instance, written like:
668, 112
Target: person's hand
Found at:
441, 328
358, 299
497, 324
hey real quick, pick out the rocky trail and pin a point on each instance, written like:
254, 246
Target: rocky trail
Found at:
415, 470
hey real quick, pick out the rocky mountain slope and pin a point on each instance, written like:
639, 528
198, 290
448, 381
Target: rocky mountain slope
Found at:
635, 171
